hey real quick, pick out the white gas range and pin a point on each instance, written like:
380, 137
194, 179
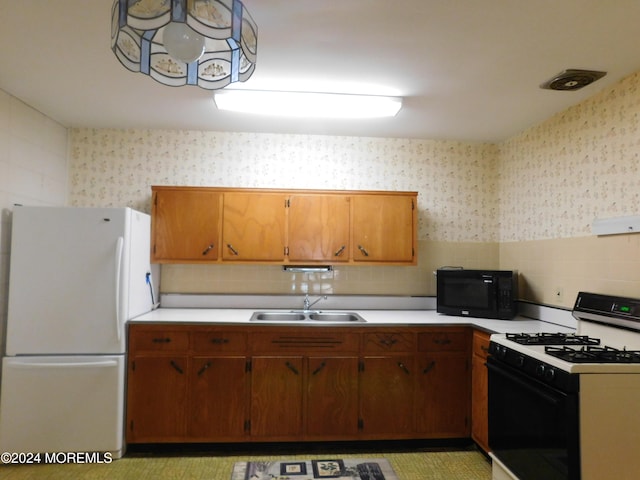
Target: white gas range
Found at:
567, 406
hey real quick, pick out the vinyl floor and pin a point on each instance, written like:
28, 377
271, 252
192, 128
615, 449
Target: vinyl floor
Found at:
409, 462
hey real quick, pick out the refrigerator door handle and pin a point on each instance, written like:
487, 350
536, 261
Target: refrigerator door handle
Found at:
119, 251
105, 363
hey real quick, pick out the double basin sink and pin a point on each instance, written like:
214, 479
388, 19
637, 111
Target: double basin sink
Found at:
307, 316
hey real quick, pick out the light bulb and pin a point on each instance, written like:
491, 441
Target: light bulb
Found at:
182, 42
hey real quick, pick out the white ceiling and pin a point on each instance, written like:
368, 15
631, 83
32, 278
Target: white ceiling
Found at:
468, 69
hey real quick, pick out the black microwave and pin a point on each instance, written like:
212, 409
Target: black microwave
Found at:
477, 293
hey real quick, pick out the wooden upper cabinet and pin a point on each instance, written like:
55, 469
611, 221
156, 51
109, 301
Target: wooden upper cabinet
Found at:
253, 226
286, 227
384, 228
185, 225
319, 228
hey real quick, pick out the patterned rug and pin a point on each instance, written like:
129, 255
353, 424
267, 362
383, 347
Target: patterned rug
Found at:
346, 469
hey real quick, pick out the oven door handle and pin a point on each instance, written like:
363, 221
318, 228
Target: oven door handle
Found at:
523, 382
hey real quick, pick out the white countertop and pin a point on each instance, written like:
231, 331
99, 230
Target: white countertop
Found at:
238, 316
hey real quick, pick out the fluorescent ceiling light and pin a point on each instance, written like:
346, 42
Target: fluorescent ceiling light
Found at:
307, 104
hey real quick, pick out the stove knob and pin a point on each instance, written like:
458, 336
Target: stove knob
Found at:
520, 361
549, 374
540, 370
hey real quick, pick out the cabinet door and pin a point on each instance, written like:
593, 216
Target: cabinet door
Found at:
442, 394
319, 228
217, 406
185, 225
386, 394
479, 390
156, 399
332, 397
383, 228
253, 227
276, 396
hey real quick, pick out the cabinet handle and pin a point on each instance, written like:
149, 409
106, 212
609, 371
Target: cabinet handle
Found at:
319, 369
363, 250
233, 250
429, 367
402, 366
388, 342
340, 251
292, 368
220, 341
484, 349
161, 340
177, 367
442, 341
208, 249
204, 368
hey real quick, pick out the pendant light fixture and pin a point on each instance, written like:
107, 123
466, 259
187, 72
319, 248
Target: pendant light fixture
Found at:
208, 43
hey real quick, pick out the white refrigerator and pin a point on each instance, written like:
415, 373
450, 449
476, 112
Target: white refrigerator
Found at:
76, 276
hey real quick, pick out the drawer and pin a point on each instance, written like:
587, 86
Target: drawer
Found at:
157, 340
481, 343
308, 341
386, 341
443, 341
219, 341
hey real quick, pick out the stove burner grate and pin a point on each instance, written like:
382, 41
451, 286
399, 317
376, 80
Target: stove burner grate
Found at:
594, 354
552, 339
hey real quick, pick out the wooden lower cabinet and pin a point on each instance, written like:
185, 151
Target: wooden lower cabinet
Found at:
192, 383
157, 399
331, 397
479, 390
443, 383
276, 397
171, 398
386, 395
217, 397
442, 395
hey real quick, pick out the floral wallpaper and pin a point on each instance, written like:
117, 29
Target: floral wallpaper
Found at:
581, 164
456, 181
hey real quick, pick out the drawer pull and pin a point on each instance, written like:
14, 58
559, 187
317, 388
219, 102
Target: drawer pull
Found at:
176, 367
442, 341
292, 368
161, 340
429, 367
388, 342
219, 341
204, 368
404, 369
340, 251
233, 250
319, 369
484, 349
208, 249
363, 250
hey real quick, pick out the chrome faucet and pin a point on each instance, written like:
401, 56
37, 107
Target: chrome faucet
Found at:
308, 304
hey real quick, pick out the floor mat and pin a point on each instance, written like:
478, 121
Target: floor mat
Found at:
335, 468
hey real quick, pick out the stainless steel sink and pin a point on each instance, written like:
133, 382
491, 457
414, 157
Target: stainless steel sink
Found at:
336, 317
312, 316
279, 316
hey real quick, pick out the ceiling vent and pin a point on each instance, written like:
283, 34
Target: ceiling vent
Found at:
572, 79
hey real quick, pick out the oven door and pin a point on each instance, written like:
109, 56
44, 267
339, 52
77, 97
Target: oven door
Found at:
533, 428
